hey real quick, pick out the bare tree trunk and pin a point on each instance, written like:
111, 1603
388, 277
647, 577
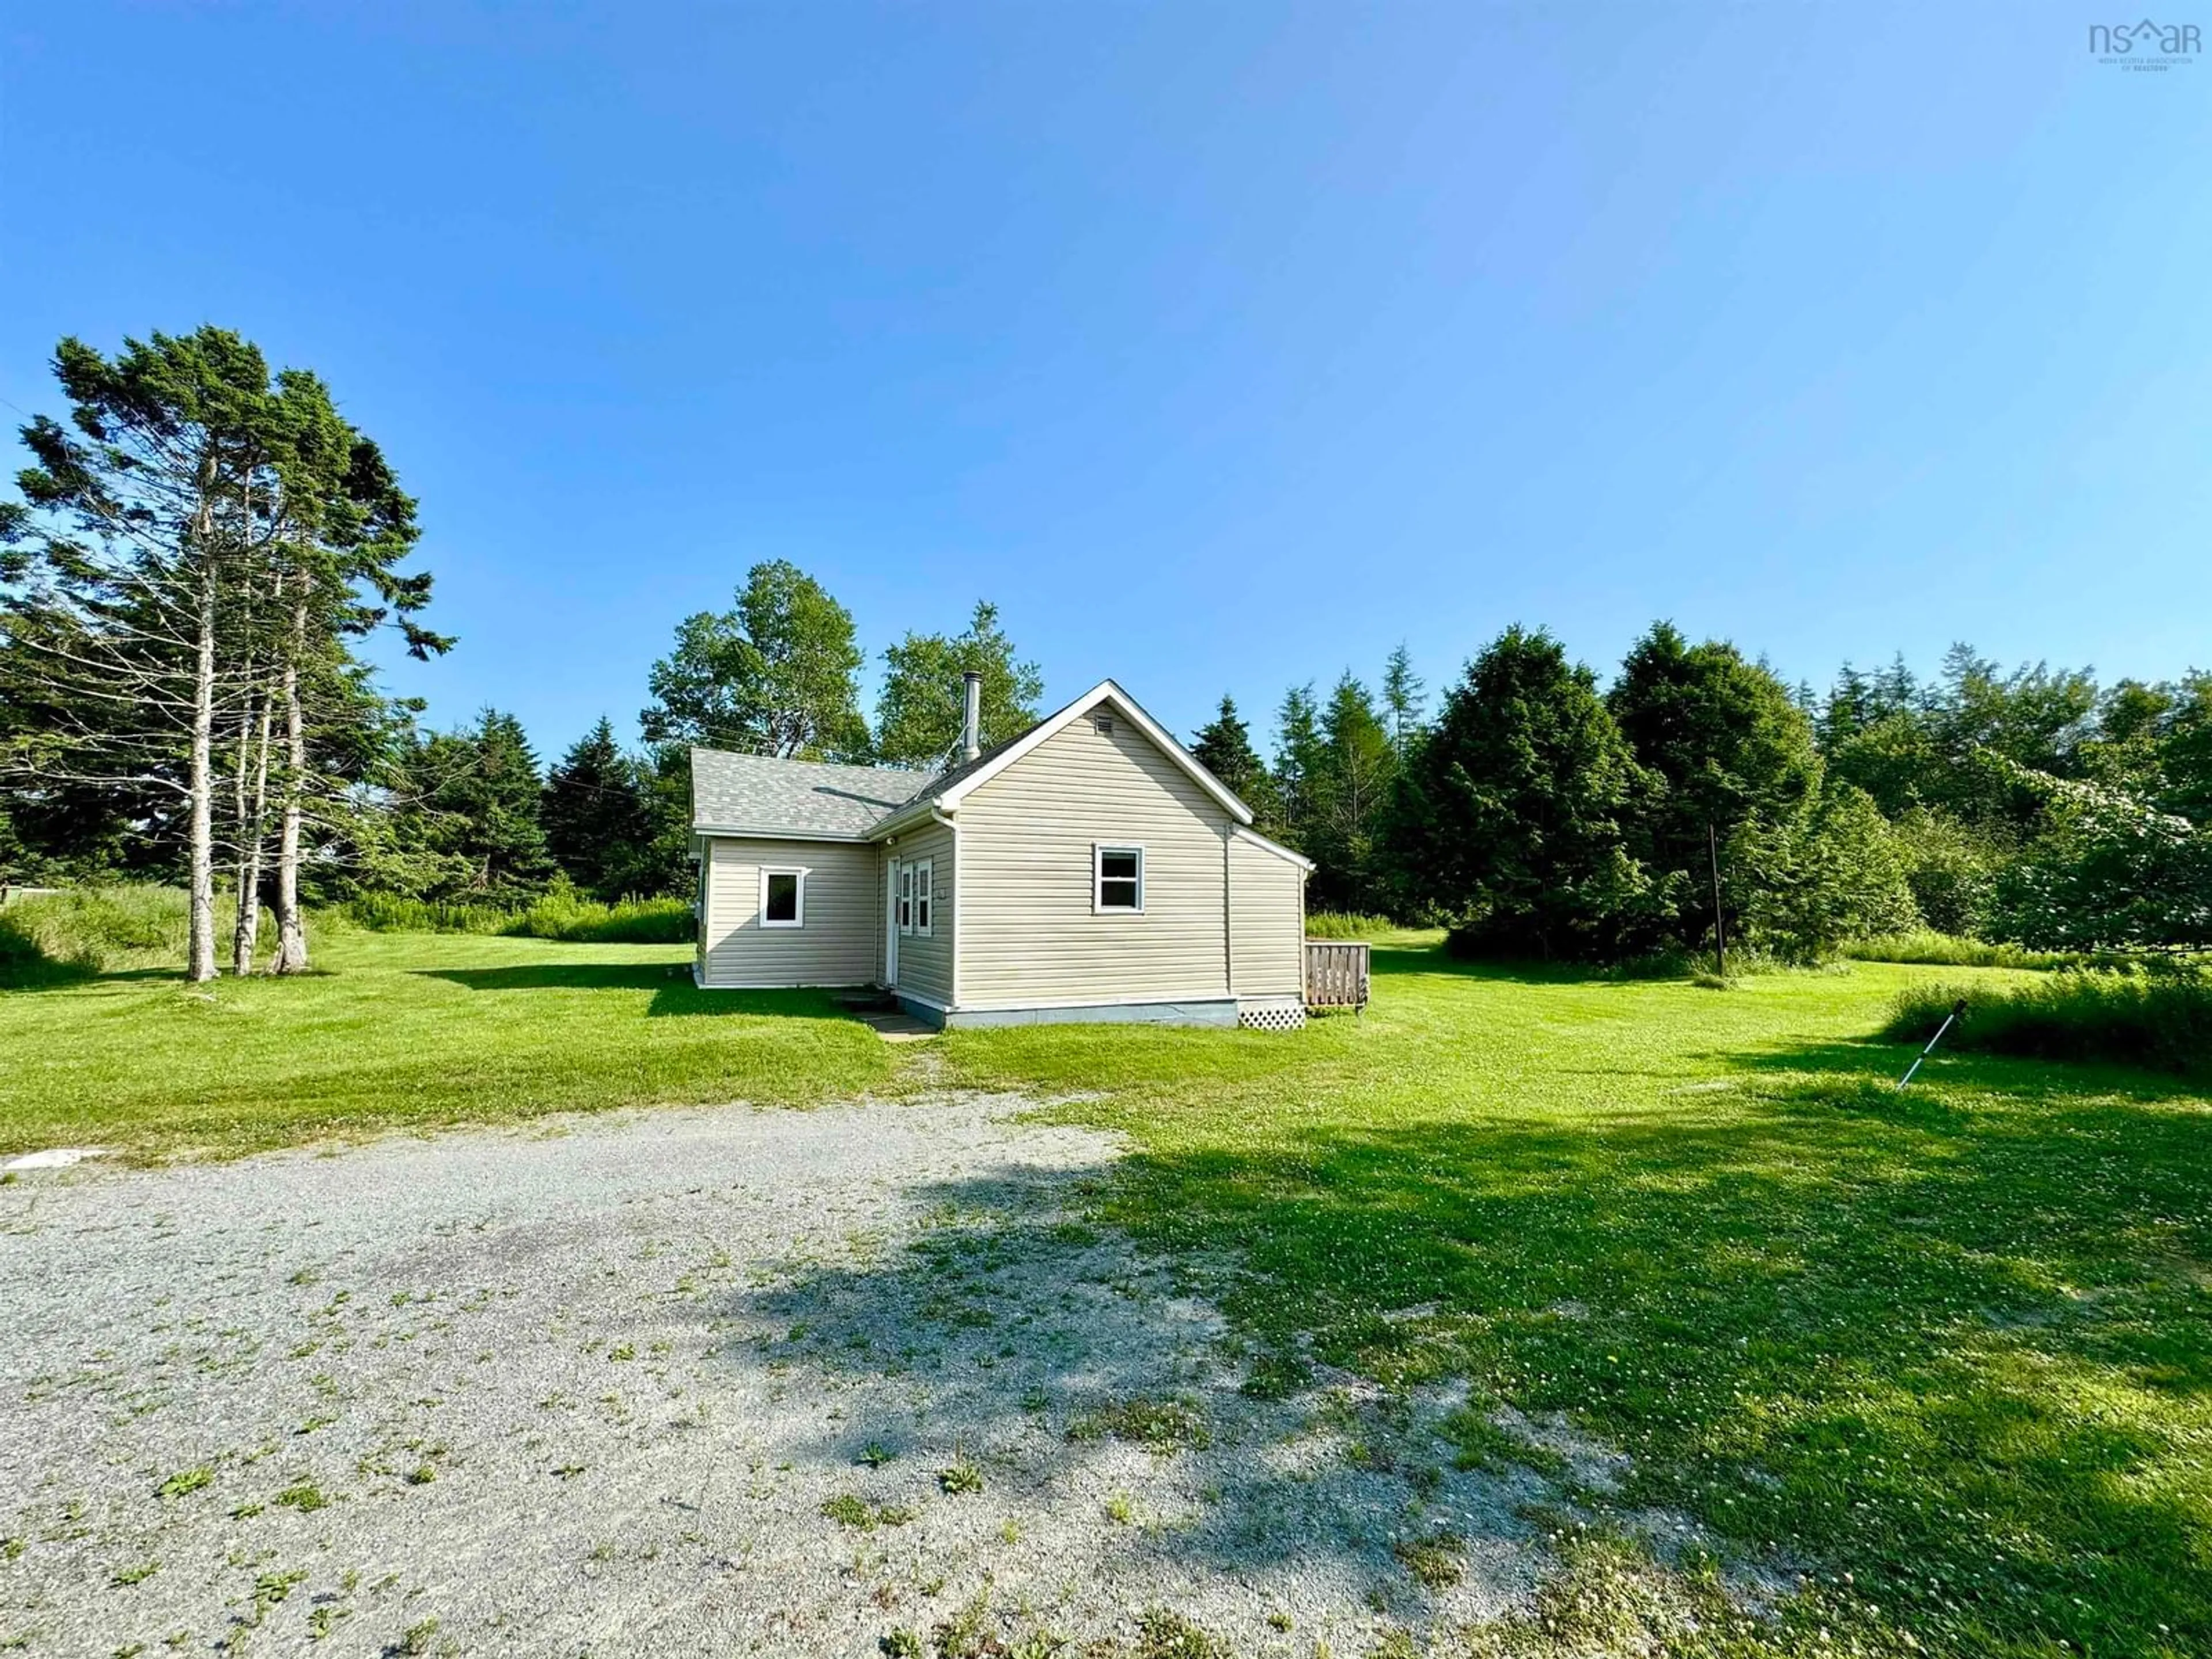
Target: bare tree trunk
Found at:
242, 899
254, 835
199, 947
291, 933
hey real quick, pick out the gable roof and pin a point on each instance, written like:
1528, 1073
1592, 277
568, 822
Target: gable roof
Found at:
946, 792
762, 795
815, 800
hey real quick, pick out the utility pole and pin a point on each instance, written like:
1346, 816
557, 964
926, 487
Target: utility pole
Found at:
1720, 927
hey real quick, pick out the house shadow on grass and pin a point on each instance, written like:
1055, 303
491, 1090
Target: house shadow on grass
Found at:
673, 992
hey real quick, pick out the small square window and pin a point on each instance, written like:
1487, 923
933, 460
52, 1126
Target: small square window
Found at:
1118, 878
783, 898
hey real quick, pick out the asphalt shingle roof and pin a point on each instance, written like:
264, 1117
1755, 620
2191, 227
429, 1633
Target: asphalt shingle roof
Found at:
761, 792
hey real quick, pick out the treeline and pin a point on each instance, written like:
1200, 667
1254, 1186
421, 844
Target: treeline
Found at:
1697, 796
201, 545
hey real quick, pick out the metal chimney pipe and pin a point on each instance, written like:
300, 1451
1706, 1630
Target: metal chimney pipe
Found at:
971, 719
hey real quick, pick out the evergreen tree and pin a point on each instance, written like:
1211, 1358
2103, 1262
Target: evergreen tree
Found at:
1846, 711
1297, 762
1827, 869
922, 706
197, 546
1727, 743
1510, 822
594, 815
1345, 797
471, 812
779, 674
1402, 696
1224, 747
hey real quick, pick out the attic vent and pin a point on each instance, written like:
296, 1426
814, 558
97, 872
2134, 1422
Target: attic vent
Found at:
1102, 722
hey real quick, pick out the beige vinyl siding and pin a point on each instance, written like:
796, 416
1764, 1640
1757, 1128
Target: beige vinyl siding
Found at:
925, 964
838, 942
1266, 922
1028, 934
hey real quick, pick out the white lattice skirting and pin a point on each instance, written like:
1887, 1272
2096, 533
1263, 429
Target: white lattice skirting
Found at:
1277, 1017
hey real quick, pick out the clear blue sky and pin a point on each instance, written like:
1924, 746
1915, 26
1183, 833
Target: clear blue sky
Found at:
1223, 345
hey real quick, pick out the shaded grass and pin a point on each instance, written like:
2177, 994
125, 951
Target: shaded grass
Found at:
2154, 1019
1956, 1343
407, 1031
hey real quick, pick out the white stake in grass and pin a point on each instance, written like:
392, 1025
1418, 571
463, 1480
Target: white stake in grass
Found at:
1958, 1012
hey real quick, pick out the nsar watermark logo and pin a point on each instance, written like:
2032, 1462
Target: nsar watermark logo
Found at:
2145, 45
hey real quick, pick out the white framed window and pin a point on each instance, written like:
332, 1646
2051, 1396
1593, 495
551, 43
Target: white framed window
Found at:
783, 897
1117, 879
905, 903
925, 896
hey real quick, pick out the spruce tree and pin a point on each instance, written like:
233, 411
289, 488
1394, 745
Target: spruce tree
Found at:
1403, 695
1224, 747
1345, 798
473, 808
1728, 743
1511, 822
594, 815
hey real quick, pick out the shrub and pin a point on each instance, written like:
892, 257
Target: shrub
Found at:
2156, 1017
393, 913
561, 914
1925, 944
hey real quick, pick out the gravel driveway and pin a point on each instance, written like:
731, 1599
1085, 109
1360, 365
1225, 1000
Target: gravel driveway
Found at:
711, 1381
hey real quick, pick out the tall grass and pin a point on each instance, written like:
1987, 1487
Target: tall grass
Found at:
562, 913
1924, 945
50, 938
1346, 924
2162, 1019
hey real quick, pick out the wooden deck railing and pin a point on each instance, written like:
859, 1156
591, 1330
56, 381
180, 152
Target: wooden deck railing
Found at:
1336, 973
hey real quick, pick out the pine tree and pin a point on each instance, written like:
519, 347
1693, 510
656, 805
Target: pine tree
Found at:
204, 539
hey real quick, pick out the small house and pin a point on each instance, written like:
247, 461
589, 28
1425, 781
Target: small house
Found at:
1089, 868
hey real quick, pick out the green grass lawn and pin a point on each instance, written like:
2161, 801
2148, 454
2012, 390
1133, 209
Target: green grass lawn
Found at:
1955, 1344
405, 1030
